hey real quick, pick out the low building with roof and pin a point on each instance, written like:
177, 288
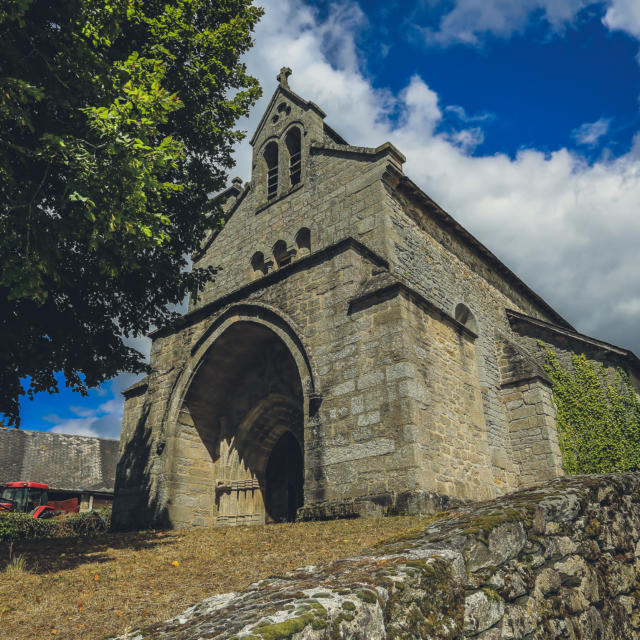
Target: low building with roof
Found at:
74, 467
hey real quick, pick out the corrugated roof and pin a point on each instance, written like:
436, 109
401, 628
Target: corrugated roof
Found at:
64, 462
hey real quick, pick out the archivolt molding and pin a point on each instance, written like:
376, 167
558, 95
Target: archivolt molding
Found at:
263, 426
262, 314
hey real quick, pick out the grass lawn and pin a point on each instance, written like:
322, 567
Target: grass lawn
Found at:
97, 587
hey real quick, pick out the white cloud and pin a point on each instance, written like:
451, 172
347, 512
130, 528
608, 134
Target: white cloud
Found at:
629, 307
467, 139
103, 421
461, 114
569, 228
589, 134
624, 15
81, 412
76, 427
470, 21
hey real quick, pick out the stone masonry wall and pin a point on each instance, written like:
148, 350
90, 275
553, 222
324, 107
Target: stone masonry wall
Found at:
565, 346
558, 561
453, 450
532, 427
361, 439
447, 271
407, 403
339, 197
527, 396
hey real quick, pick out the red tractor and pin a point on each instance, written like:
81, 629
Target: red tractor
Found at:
26, 497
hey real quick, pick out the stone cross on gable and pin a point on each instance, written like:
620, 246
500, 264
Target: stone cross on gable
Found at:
283, 76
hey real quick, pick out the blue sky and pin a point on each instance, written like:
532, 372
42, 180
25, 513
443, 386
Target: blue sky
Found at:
520, 117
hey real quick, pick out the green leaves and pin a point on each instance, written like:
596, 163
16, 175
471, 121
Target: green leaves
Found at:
117, 120
598, 416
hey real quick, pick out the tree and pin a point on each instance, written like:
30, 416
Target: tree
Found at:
117, 123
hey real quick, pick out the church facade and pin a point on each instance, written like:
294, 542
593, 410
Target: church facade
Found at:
359, 353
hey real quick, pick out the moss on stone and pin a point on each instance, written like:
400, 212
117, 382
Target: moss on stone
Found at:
285, 629
318, 609
346, 617
483, 525
428, 604
319, 623
492, 594
592, 528
309, 613
367, 596
348, 605
422, 564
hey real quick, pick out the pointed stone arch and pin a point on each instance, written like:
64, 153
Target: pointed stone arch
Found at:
250, 383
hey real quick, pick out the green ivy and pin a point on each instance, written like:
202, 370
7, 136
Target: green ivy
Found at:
598, 416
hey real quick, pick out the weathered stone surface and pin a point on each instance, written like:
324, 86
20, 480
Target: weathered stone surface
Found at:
503, 543
420, 587
482, 609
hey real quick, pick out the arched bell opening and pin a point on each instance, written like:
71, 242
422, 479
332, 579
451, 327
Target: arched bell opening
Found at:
294, 148
464, 316
271, 160
246, 404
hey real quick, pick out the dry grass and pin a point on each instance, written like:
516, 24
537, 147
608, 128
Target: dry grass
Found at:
98, 587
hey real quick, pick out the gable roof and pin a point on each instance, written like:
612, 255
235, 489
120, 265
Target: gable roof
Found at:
294, 97
515, 318
64, 462
406, 185
402, 183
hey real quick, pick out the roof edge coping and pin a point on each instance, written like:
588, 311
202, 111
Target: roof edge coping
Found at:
575, 335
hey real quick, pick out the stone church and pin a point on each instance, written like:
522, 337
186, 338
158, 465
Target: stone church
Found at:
359, 352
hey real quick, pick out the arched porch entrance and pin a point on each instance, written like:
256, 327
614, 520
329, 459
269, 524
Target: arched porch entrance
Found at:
246, 403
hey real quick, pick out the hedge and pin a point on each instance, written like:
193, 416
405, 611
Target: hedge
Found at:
22, 526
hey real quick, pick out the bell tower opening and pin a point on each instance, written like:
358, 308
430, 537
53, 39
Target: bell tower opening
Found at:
271, 158
294, 147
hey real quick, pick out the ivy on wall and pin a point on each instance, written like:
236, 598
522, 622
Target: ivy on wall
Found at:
598, 416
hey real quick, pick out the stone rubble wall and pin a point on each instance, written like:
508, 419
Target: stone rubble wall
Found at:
558, 561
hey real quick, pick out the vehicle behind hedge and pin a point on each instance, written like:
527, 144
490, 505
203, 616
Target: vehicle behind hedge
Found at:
33, 498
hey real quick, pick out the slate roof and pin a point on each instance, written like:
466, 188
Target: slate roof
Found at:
64, 462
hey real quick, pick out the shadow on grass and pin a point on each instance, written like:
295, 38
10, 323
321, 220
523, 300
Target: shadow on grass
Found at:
48, 555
